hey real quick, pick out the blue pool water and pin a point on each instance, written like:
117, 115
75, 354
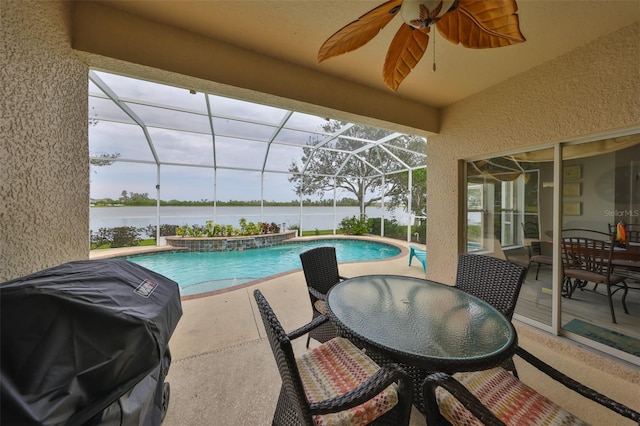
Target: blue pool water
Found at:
199, 272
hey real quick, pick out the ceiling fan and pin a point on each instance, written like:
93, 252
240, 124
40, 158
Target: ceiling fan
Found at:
476, 24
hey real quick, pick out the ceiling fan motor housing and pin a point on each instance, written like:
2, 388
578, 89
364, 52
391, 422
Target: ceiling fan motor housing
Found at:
422, 13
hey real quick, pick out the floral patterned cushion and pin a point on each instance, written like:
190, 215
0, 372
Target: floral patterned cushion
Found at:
321, 306
335, 368
508, 398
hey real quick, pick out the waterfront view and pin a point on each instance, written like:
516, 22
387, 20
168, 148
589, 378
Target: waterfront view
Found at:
286, 217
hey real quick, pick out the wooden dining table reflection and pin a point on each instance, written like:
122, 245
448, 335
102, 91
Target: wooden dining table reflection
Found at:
627, 255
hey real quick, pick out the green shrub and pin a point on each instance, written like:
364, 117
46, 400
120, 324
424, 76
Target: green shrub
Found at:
270, 228
391, 228
102, 237
122, 236
168, 230
125, 236
230, 231
196, 231
421, 230
354, 226
165, 230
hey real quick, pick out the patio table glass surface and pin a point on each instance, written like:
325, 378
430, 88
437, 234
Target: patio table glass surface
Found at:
422, 323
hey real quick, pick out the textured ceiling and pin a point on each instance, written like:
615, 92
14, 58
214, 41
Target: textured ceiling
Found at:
293, 31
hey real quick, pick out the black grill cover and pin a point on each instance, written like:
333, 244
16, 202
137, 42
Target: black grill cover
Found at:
77, 337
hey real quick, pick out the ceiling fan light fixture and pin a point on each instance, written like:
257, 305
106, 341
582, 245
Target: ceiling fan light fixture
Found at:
423, 13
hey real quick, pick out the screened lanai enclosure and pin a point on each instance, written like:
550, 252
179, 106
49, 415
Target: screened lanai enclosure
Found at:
165, 148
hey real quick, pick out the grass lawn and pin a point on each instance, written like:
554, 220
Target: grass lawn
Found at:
320, 232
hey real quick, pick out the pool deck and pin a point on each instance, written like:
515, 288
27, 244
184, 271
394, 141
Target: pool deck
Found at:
223, 372
128, 251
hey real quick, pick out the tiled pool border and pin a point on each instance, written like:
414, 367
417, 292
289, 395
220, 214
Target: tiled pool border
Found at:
209, 244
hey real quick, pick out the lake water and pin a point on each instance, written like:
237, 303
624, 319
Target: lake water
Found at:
312, 217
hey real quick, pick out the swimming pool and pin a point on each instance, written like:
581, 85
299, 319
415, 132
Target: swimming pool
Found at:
200, 272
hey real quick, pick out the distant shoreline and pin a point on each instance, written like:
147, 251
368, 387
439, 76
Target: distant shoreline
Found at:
151, 202
162, 204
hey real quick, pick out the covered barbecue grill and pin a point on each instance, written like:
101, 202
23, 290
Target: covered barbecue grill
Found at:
86, 342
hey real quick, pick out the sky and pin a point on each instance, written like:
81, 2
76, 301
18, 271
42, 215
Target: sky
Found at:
183, 143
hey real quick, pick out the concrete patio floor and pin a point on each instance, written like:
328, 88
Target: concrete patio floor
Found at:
223, 371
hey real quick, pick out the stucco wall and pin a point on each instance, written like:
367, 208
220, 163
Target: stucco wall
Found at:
590, 90
44, 173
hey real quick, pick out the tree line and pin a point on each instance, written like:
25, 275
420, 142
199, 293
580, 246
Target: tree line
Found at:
135, 199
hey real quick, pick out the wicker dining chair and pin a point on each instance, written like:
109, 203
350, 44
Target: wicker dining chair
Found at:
493, 280
320, 266
496, 281
492, 397
335, 383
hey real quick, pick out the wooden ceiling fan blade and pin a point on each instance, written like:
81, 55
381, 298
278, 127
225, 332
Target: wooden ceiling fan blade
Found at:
479, 24
405, 51
359, 32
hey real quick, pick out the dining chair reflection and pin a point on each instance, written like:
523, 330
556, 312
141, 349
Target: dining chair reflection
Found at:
587, 260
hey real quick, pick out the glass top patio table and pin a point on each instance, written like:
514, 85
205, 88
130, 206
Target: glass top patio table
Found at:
422, 323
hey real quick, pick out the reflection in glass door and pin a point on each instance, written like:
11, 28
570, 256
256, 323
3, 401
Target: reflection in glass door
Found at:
505, 196
510, 214
475, 216
512, 211
599, 192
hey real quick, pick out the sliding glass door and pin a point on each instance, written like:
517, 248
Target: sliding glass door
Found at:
511, 203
